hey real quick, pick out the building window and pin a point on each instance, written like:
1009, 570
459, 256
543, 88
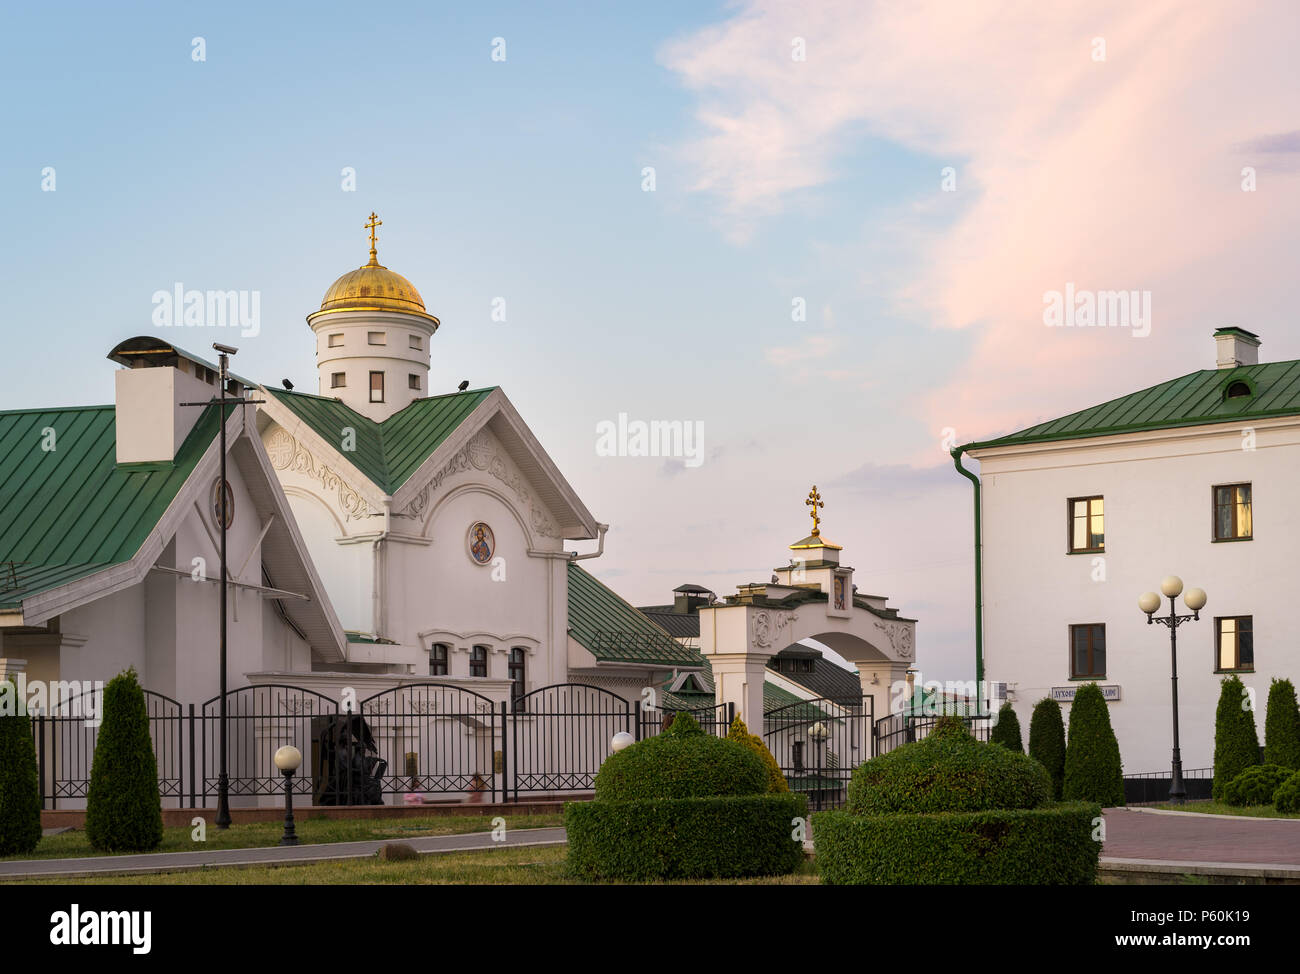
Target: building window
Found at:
417, 341
438, 659
376, 338
1232, 517
517, 674
336, 340
478, 661
1235, 643
376, 387
338, 380
1088, 651
414, 382
1086, 524
796, 756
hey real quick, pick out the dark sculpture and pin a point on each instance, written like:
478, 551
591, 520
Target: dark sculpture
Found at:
351, 769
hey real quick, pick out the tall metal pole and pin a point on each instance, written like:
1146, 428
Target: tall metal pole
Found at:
1177, 791
223, 781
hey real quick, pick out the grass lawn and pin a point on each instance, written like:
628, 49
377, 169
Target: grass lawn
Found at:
498, 867
72, 845
1219, 808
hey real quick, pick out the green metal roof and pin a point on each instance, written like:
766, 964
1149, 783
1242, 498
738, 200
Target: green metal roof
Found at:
615, 632
72, 511
1196, 399
386, 453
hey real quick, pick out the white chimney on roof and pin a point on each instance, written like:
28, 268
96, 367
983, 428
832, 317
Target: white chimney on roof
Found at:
1236, 347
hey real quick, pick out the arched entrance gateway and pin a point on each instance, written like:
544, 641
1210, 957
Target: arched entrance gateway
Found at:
812, 597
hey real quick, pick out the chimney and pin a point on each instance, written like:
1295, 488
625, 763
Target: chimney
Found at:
1236, 347
151, 422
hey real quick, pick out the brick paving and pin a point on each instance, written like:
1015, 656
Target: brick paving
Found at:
1133, 834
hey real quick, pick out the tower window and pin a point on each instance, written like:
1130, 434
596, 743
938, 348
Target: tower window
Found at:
376, 338
417, 341
376, 387
338, 380
414, 381
335, 341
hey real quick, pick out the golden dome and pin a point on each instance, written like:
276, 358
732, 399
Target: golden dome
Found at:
373, 287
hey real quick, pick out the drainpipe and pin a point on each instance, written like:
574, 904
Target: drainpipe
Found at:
979, 580
600, 550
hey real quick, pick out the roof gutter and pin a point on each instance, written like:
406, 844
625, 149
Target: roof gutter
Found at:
979, 578
600, 550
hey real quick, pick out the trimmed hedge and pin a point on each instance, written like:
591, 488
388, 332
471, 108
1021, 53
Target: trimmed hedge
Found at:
1047, 741
20, 797
948, 771
681, 765
1007, 729
1287, 797
1041, 846
1236, 744
681, 838
1282, 726
1255, 785
776, 783
1093, 771
123, 807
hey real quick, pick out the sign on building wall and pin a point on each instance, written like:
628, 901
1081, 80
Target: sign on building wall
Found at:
1109, 692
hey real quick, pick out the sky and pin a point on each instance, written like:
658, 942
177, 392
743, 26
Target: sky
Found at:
825, 232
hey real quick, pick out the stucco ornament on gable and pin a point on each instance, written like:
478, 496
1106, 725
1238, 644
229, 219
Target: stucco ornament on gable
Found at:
768, 625
286, 453
900, 637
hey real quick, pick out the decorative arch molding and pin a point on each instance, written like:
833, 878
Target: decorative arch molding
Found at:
864, 637
460, 642
291, 490
477, 488
287, 453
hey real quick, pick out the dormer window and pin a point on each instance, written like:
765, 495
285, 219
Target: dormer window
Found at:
1237, 390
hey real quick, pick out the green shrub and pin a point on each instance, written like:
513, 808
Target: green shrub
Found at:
1255, 785
1006, 731
1047, 741
949, 726
1093, 771
684, 725
1287, 797
685, 838
776, 783
20, 797
1052, 845
1236, 745
1282, 726
123, 807
681, 765
948, 772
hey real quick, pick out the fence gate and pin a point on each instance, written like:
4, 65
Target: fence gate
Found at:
439, 739
561, 734
894, 730
818, 743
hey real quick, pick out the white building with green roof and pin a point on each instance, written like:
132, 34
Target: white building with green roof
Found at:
1079, 516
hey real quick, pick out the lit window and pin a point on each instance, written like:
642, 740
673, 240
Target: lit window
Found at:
376, 338
338, 380
1088, 650
1235, 639
336, 341
414, 381
1232, 518
478, 661
1086, 524
438, 659
376, 387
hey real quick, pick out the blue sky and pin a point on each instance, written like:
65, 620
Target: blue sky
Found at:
522, 180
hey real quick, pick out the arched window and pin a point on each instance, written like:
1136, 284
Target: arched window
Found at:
478, 661
518, 672
1237, 390
438, 657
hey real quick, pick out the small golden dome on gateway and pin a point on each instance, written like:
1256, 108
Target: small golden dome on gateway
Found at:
373, 286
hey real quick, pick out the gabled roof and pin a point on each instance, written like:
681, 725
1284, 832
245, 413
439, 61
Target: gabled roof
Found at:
1196, 399
827, 679
614, 632
386, 453
71, 511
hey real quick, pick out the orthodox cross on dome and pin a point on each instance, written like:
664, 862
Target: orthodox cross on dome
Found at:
374, 222
815, 502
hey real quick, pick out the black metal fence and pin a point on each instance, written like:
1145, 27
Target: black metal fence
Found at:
715, 720
1153, 787
901, 728
817, 744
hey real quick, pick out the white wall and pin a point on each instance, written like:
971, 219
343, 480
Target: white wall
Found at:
1157, 490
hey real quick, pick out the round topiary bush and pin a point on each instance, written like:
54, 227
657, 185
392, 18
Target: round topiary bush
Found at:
948, 771
1093, 771
123, 806
1047, 741
688, 764
1255, 785
1287, 796
1007, 729
20, 797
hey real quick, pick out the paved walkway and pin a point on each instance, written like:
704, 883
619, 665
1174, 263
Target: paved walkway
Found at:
273, 855
1152, 834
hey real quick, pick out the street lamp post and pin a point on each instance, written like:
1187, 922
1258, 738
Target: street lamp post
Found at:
1149, 602
288, 759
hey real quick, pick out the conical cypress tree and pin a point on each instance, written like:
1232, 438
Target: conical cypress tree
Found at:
20, 797
123, 808
1282, 726
1236, 743
1047, 741
1007, 730
1093, 771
